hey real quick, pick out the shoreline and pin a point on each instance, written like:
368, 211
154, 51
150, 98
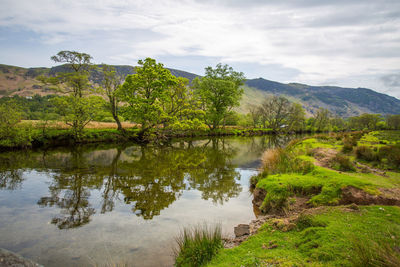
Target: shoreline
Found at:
63, 137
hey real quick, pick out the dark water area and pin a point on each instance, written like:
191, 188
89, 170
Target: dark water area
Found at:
110, 205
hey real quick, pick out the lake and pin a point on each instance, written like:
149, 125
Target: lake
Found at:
110, 204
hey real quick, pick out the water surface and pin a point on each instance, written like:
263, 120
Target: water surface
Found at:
103, 205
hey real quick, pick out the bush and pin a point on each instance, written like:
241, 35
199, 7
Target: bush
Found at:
197, 245
366, 153
342, 163
348, 144
392, 154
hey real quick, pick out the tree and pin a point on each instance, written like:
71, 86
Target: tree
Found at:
145, 92
77, 108
393, 122
219, 92
297, 117
255, 114
322, 120
109, 87
181, 107
365, 121
276, 111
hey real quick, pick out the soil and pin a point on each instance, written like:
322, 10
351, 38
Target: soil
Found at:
324, 156
387, 196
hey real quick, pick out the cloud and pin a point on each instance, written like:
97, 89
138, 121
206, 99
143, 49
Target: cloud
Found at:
316, 40
391, 80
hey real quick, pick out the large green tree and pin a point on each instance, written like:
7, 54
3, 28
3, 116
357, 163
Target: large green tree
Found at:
219, 91
146, 91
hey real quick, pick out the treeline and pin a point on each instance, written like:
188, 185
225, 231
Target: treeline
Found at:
157, 101
279, 114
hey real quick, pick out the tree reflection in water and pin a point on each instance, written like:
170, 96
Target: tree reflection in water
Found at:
149, 178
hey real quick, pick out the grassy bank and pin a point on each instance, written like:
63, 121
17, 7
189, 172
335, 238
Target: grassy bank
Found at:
320, 168
318, 189
29, 134
330, 236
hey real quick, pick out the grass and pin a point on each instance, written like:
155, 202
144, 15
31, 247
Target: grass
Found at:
197, 245
332, 236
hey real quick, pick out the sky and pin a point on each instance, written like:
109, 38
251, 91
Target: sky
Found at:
318, 42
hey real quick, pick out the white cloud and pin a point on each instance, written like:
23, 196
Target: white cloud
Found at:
323, 40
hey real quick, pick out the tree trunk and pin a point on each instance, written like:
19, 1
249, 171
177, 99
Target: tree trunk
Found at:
118, 122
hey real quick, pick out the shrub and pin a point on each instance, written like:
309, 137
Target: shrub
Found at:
348, 144
366, 153
197, 245
392, 154
342, 163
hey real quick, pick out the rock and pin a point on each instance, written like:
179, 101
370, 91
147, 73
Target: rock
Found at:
8, 258
354, 206
242, 229
283, 224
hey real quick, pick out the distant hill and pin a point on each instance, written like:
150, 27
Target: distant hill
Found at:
341, 101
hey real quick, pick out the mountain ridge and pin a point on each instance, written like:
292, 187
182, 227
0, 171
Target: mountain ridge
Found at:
341, 101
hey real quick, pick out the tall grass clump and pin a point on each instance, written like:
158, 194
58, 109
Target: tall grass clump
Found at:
280, 160
374, 254
197, 245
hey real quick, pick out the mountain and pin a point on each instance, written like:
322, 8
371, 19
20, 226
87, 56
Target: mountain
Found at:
344, 102
341, 101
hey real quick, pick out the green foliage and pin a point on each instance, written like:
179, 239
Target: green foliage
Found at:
219, 91
366, 121
77, 112
197, 245
12, 135
145, 93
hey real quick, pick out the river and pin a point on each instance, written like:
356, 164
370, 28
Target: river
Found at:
112, 205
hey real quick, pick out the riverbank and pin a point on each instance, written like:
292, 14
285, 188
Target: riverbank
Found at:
327, 200
36, 136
